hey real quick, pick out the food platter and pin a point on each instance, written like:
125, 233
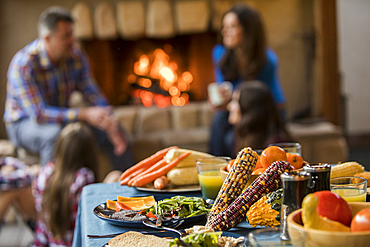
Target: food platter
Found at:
170, 188
168, 234
102, 212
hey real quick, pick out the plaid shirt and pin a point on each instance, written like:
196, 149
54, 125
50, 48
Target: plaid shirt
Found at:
19, 177
42, 236
40, 90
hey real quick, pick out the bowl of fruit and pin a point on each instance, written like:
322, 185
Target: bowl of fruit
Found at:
328, 220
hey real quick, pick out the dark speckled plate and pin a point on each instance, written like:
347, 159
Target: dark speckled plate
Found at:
102, 212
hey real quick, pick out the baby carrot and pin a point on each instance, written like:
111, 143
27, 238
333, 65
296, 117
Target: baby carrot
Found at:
146, 162
150, 177
154, 167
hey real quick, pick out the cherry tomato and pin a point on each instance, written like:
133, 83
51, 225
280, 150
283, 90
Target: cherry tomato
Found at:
334, 207
151, 215
361, 221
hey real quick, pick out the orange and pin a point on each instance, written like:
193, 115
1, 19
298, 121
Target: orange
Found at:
258, 165
258, 171
295, 160
272, 154
229, 165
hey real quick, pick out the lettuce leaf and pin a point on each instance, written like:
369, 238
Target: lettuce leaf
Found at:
207, 239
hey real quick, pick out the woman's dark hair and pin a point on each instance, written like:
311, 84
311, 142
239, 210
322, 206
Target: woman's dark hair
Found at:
75, 148
253, 47
260, 121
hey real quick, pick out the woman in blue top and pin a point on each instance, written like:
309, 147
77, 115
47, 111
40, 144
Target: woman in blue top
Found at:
243, 56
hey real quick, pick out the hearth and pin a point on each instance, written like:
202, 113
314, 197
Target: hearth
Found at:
153, 71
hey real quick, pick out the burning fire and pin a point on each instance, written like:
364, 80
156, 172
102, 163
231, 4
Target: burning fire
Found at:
164, 70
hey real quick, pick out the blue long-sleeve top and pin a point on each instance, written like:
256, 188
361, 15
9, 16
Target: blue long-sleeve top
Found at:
268, 73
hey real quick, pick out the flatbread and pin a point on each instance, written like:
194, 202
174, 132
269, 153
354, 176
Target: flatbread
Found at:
136, 239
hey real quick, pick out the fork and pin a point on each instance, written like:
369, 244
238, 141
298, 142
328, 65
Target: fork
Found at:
152, 225
109, 235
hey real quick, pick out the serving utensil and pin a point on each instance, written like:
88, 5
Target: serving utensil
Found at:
152, 225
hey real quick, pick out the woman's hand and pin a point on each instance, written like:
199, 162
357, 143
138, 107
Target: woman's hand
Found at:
223, 95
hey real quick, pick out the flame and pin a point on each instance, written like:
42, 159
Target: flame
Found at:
174, 91
141, 67
187, 77
166, 72
146, 98
131, 79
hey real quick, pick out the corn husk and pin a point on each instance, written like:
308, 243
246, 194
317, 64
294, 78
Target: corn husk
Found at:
189, 161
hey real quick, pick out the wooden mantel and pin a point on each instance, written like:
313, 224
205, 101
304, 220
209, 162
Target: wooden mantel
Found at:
329, 88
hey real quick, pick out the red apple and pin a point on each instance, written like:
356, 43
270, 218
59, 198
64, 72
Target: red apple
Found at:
333, 207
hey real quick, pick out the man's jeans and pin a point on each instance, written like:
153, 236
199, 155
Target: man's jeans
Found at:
40, 138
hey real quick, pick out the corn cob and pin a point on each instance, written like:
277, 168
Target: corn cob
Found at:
235, 181
268, 181
189, 161
346, 169
183, 176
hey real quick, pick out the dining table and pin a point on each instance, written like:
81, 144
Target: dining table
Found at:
87, 223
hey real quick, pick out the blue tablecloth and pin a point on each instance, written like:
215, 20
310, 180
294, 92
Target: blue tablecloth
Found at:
95, 194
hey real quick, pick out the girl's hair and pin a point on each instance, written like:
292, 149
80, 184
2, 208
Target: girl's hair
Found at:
253, 46
260, 122
75, 148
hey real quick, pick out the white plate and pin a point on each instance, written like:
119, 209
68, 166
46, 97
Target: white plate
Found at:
170, 188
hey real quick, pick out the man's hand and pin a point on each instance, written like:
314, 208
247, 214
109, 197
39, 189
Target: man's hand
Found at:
102, 118
99, 117
118, 141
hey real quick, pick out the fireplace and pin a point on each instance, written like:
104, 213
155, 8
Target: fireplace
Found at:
124, 69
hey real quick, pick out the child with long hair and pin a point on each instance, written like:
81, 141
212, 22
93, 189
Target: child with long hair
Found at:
58, 187
255, 117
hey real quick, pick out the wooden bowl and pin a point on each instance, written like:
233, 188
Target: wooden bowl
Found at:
224, 174
323, 238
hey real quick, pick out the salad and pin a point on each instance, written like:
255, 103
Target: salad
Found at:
181, 207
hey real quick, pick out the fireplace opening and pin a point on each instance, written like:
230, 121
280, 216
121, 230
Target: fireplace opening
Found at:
150, 72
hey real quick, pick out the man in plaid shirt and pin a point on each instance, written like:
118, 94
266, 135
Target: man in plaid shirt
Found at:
41, 78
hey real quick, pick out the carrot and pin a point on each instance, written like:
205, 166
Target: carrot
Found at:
154, 167
161, 182
146, 162
132, 175
150, 177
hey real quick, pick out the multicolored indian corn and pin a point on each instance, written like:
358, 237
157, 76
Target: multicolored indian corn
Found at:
268, 181
235, 182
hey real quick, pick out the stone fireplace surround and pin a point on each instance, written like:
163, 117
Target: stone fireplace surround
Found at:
116, 34
132, 20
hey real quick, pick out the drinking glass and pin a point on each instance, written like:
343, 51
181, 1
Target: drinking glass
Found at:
289, 147
351, 189
271, 237
209, 175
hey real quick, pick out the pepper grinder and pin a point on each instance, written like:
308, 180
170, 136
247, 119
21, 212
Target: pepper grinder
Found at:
295, 188
320, 176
